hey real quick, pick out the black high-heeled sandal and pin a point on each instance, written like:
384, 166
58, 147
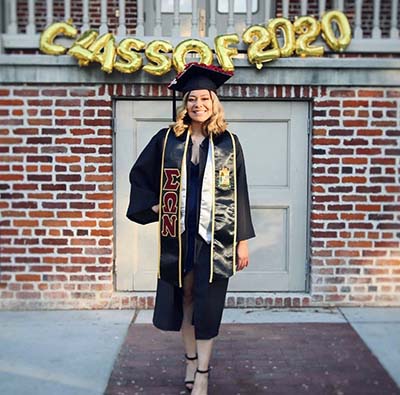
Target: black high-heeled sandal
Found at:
202, 372
190, 381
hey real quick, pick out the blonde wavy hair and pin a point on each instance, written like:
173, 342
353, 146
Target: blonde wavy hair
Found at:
214, 125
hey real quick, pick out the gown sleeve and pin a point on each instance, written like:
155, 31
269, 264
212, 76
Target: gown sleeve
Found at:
245, 229
144, 178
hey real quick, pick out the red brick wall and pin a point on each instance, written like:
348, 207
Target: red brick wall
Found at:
355, 217
56, 186
57, 193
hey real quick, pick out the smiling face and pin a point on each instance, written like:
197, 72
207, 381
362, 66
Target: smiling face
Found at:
199, 105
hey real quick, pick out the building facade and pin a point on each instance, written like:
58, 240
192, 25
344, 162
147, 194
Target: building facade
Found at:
321, 137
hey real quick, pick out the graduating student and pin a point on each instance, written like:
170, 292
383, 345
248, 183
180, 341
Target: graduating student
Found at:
191, 178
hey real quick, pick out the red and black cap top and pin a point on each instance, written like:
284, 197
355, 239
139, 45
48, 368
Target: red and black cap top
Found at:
199, 76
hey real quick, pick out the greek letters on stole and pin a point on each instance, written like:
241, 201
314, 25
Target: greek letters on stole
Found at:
220, 179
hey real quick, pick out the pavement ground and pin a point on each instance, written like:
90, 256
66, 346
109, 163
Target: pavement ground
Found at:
275, 351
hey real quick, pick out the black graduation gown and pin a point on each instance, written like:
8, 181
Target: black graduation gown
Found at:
209, 298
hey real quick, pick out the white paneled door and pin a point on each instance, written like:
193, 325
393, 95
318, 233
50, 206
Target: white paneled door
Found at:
275, 140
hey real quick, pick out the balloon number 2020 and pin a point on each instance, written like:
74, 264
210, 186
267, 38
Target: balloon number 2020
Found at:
264, 45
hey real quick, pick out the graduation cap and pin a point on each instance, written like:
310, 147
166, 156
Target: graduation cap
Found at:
197, 76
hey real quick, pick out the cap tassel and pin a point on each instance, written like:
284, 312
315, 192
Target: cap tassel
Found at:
174, 105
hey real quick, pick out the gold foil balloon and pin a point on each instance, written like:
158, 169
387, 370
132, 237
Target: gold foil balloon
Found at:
259, 38
126, 51
79, 47
308, 29
191, 45
161, 62
47, 37
224, 52
103, 50
336, 43
286, 28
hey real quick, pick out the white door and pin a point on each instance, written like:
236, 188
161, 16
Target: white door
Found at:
274, 138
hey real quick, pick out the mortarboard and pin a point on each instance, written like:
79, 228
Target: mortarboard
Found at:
198, 76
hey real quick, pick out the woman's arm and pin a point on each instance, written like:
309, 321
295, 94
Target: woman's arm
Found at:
145, 182
242, 255
245, 229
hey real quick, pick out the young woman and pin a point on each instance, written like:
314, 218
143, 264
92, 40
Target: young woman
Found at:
192, 179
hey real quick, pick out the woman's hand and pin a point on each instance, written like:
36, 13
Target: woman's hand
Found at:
156, 208
242, 254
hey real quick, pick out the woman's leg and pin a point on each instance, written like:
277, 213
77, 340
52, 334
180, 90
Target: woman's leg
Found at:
187, 329
204, 350
209, 299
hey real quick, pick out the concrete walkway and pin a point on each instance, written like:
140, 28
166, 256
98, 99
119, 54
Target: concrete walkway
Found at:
380, 330
73, 352
59, 352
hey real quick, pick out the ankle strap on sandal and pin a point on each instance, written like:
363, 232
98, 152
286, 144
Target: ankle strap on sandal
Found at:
202, 371
191, 358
